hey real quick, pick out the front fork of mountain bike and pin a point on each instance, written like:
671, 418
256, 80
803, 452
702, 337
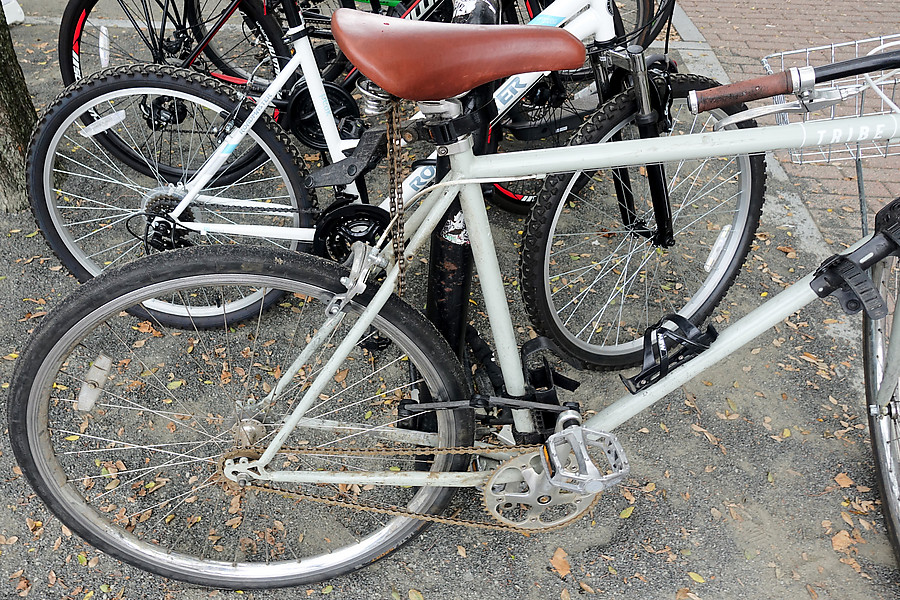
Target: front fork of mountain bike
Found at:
647, 122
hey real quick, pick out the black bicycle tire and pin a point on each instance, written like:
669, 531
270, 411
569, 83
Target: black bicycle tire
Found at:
539, 228
884, 424
97, 299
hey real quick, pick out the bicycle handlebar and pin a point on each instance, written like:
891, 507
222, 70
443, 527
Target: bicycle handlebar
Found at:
794, 80
744, 91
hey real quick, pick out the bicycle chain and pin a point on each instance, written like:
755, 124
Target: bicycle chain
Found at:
395, 192
392, 510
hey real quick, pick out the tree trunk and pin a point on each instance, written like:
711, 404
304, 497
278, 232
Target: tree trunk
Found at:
17, 118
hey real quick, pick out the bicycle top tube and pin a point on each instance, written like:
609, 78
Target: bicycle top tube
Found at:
388, 51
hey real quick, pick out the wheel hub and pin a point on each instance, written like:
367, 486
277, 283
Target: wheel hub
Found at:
248, 431
163, 111
160, 231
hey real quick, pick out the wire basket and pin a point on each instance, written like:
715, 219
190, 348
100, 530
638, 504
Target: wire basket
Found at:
865, 102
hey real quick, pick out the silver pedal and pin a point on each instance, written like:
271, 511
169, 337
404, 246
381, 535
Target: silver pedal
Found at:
569, 459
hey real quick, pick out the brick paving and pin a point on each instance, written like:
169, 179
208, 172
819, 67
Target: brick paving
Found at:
740, 32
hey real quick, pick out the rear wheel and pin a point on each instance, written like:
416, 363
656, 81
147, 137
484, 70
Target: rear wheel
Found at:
136, 470
101, 192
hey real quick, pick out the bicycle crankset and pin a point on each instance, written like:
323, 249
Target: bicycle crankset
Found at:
520, 494
340, 226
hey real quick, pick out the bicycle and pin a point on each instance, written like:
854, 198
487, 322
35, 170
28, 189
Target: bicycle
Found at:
148, 210
163, 35
320, 433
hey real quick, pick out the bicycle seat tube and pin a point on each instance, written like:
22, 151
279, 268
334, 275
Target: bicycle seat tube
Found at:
481, 242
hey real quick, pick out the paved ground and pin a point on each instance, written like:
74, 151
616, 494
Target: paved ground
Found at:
755, 480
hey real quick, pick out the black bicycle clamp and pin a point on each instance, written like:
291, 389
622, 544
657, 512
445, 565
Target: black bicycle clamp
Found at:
844, 275
669, 343
444, 132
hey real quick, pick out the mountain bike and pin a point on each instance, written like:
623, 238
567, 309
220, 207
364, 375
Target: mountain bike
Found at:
303, 439
110, 157
234, 39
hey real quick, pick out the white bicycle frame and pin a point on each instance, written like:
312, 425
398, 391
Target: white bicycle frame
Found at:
466, 173
586, 19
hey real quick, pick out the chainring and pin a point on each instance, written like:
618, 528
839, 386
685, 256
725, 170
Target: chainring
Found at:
340, 226
519, 494
301, 113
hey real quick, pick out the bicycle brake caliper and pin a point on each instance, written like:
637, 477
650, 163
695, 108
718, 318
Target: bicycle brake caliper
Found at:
568, 461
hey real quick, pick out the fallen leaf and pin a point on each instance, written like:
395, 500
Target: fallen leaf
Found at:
841, 541
843, 480
627, 512
415, 595
696, 577
559, 562
461, 551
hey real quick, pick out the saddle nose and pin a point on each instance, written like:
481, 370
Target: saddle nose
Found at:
421, 60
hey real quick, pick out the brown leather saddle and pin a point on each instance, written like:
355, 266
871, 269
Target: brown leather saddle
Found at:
421, 60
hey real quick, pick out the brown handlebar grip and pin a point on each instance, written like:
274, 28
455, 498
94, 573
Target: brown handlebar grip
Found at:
744, 91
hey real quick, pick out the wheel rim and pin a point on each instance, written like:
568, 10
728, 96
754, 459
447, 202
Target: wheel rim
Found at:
66, 446
884, 425
632, 261
111, 39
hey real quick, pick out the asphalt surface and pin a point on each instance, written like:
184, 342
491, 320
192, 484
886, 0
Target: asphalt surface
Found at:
754, 480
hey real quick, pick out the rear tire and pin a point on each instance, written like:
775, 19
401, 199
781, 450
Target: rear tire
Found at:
94, 202
884, 424
137, 473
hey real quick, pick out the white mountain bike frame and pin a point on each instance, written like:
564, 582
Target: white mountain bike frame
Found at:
466, 174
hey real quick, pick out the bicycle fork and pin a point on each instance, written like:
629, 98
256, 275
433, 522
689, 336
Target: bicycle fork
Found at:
647, 121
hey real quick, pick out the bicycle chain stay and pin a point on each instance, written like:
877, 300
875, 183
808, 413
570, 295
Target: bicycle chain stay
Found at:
392, 510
